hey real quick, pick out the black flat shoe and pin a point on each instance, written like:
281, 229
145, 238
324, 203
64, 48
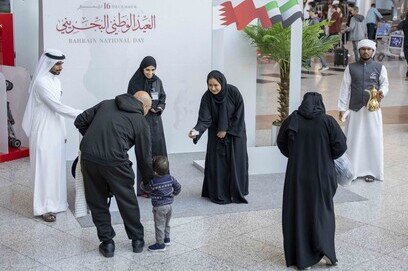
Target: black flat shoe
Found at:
107, 248
138, 246
49, 217
369, 179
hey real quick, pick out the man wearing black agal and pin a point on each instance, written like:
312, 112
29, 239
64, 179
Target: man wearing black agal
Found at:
110, 129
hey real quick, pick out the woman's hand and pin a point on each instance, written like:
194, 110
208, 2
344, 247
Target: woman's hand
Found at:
193, 134
221, 134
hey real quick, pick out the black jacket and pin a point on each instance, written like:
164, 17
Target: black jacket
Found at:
111, 128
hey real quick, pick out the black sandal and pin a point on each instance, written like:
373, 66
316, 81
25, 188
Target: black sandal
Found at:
369, 179
49, 217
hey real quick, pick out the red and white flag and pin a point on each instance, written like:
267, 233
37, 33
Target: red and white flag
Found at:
285, 11
242, 14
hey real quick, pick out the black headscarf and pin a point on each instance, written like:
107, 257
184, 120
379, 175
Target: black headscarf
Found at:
311, 107
220, 99
137, 82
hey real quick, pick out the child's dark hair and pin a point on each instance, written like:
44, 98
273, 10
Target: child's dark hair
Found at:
161, 165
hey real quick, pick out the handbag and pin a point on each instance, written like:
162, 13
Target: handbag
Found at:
344, 170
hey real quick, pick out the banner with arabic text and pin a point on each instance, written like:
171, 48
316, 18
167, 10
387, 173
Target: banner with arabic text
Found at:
105, 41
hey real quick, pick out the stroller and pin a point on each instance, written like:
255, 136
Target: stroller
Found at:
12, 139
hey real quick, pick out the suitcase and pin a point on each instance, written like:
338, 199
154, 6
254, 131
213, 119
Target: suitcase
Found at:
340, 57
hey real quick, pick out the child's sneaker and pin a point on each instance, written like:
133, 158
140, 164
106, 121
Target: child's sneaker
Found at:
157, 247
167, 241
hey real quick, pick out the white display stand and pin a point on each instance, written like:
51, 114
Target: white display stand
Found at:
3, 116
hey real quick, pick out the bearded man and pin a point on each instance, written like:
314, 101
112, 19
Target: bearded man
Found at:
44, 124
364, 129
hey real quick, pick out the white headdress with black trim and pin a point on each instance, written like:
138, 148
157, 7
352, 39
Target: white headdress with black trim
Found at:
47, 60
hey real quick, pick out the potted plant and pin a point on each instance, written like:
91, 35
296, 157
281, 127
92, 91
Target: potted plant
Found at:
274, 44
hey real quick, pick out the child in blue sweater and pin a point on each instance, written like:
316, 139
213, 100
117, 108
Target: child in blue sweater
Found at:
162, 189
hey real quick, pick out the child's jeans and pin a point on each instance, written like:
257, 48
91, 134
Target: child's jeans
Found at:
162, 215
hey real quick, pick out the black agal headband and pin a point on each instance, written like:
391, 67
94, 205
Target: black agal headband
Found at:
62, 57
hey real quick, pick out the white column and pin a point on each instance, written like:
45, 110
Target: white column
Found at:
3, 116
295, 65
217, 44
217, 50
26, 28
363, 6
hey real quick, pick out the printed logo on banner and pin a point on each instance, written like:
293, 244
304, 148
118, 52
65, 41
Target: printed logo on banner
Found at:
108, 23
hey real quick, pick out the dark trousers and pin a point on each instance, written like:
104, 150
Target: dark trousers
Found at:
345, 37
99, 180
371, 29
355, 50
406, 52
138, 182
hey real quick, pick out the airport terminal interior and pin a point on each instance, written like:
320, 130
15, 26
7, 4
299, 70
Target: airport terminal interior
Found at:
371, 218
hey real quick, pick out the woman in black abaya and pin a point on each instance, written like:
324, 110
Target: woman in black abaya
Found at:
311, 140
226, 162
146, 79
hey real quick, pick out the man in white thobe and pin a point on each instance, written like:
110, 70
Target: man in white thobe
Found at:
44, 124
364, 129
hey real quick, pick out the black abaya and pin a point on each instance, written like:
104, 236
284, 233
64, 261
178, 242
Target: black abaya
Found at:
311, 140
154, 87
226, 162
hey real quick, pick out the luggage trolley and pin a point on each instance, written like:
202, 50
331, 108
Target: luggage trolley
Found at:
381, 36
389, 43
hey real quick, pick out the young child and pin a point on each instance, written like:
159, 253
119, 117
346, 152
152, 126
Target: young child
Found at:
162, 188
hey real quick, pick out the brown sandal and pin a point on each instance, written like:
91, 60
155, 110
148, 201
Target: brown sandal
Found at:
49, 217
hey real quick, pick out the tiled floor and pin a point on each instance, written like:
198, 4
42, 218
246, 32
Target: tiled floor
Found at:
371, 235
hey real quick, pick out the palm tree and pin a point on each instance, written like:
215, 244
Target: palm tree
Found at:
274, 44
